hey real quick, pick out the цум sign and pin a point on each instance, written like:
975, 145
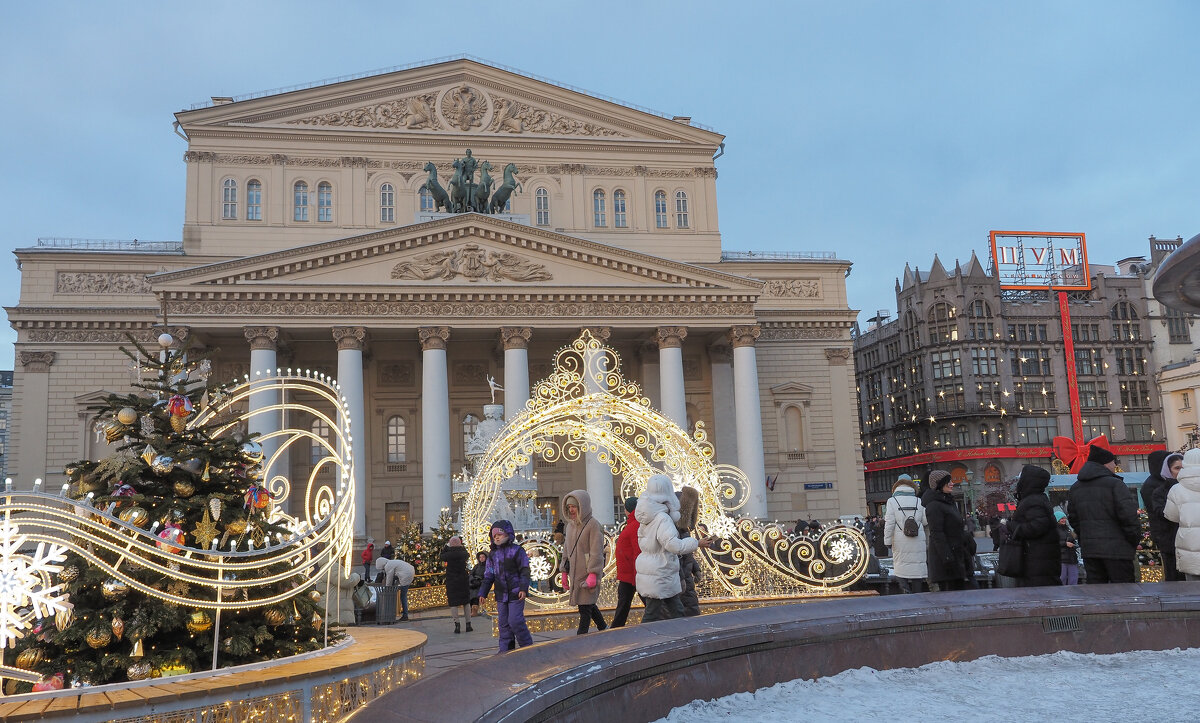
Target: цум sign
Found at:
1041, 260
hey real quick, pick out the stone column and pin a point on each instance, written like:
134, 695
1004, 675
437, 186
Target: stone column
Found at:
599, 474
29, 441
350, 341
847, 452
670, 364
748, 412
435, 424
651, 377
264, 342
516, 368
725, 435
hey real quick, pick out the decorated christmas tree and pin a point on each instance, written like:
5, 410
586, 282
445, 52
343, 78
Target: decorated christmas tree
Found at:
188, 486
432, 561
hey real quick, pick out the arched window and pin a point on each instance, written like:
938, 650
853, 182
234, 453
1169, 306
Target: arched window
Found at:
324, 202
229, 199
985, 435
793, 422
943, 327
944, 438
660, 209
598, 215
1124, 311
426, 199
320, 428
395, 440
387, 203
254, 201
469, 425
1125, 322
980, 309
911, 333
681, 210
300, 201
542, 206
619, 217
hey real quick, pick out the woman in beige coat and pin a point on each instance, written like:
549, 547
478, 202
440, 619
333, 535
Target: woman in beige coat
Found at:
583, 558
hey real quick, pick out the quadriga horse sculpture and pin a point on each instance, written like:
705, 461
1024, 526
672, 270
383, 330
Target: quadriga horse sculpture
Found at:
458, 190
500, 197
440, 198
479, 201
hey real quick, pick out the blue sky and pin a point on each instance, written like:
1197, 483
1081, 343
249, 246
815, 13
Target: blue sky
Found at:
884, 131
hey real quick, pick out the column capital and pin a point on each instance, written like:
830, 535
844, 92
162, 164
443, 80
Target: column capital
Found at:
671, 337
720, 354
600, 332
37, 362
349, 337
515, 337
744, 334
433, 337
262, 337
837, 355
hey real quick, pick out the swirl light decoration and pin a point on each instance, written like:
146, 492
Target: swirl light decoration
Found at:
586, 407
321, 521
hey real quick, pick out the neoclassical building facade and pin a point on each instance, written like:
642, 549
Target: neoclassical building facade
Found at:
311, 240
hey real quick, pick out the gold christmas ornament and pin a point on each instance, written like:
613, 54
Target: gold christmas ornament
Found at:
114, 431
237, 527
204, 532
98, 637
63, 619
296, 616
200, 622
113, 590
69, 574
184, 489
148, 454
205, 477
138, 671
127, 416
214, 506
317, 622
29, 658
179, 424
275, 616
176, 668
138, 651
118, 627
135, 516
314, 595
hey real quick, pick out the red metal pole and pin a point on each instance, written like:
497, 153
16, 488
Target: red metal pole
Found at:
1072, 381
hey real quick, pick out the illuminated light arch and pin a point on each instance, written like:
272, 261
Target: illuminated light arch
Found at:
586, 407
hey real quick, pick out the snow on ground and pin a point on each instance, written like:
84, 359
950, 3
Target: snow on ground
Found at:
1145, 685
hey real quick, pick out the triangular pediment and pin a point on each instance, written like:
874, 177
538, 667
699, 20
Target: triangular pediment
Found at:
463, 252
457, 97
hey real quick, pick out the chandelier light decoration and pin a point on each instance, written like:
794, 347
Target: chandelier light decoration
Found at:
586, 407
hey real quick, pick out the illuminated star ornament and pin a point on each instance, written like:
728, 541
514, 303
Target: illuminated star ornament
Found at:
26, 591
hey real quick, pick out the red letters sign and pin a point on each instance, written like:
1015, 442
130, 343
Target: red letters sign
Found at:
1041, 260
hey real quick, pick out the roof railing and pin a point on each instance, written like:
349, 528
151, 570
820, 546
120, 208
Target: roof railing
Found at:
776, 255
97, 244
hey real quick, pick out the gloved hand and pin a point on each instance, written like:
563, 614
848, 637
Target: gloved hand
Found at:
565, 582
591, 580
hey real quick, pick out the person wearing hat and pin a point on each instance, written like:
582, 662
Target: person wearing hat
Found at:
387, 552
946, 561
1104, 514
1164, 471
1034, 526
626, 556
909, 563
1068, 546
1182, 507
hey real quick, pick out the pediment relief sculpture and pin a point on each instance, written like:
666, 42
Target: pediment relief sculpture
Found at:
463, 108
473, 264
795, 288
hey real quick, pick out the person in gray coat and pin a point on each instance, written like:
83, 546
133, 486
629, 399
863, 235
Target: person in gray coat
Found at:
689, 569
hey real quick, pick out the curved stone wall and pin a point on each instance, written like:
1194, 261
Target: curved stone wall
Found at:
641, 672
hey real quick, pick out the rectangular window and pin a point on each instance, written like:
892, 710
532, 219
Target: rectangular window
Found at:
1036, 397
542, 202
387, 204
325, 202
1088, 362
1030, 362
964, 436
1095, 425
619, 218
254, 201
1085, 332
1036, 430
1130, 361
946, 364
984, 363
1178, 331
1093, 395
681, 210
1135, 395
599, 219
1137, 428
949, 398
1027, 332
982, 330
1127, 332
300, 212
229, 201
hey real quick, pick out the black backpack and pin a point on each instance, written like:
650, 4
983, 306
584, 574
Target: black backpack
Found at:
910, 528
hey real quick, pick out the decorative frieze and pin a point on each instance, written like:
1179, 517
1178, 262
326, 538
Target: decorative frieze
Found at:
793, 288
36, 362
101, 282
515, 337
400, 373
433, 337
349, 337
470, 373
473, 264
771, 333
459, 309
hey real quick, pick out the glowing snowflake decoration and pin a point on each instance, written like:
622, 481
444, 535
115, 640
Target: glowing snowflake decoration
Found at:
26, 591
539, 568
841, 550
721, 526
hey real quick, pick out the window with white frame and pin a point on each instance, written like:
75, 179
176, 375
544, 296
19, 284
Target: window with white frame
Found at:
324, 202
396, 441
681, 209
426, 197
541, 199
387, 203
660, 209
229, 199
620, 220
321, 430
599, 219
300, 201
254, 200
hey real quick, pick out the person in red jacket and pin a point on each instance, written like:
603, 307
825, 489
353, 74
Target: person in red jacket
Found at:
627, 554
368, 557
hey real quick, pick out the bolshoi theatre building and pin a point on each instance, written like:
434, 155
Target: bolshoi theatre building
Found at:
346, 228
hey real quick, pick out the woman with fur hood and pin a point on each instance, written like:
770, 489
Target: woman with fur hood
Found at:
658, 583
908, 553
689, 570
1183, 507
583, 558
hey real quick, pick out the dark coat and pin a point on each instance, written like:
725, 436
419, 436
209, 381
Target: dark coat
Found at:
947, 543
1104, 514
458, 581
1068, 555
1154, 495
1034, 525
507, 568
476, 579
689, 570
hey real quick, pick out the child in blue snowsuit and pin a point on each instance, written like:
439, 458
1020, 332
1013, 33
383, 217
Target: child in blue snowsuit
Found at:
508, 570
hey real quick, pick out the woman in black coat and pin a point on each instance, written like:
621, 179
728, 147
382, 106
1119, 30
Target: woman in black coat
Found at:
458, 582
947, 544
1033, 525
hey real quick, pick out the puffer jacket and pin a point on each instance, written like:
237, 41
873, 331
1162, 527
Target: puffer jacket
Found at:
658, 564
1183, 507
507, 568
628, 550
947, 546
1154, 497
1102, 511
909, 559
583, 549
1034, 525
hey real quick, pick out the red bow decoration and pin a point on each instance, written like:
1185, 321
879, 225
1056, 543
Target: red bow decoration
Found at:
1074, 455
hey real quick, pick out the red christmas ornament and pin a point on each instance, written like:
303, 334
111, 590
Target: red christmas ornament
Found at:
179, 406
170, 534
257, 497
54, 682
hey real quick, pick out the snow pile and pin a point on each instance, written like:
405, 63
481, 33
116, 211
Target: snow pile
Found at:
1148, 685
